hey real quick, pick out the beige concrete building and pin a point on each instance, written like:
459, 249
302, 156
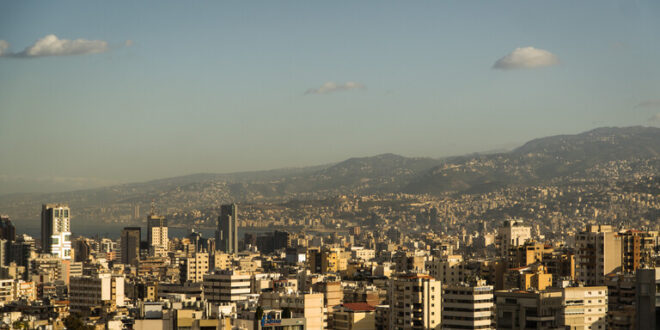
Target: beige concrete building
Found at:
528, 309
362, 253
584, 308
448, 269
598, 254
25, 290
638, 247
411, 261
355, 316
528, 253
222, 261
226, 286
307, 305
333, 295
193, 319
88, 292
466, 306
196, 266
532, 276
415, 302
566, 308
334, 260
6, 291
512, 234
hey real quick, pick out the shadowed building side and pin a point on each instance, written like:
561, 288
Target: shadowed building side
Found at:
227, 233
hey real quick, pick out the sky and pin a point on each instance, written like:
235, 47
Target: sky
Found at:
95, 93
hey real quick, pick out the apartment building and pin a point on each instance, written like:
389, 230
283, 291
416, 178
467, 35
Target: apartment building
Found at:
226, 286
415, 302
89, 292
598, 253
468, 306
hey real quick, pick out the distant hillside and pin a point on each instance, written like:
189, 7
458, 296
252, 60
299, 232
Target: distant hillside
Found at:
544, 159
603, 153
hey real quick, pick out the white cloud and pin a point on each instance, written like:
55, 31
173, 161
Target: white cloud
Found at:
51, 45
652, 103
526, 58
331, 86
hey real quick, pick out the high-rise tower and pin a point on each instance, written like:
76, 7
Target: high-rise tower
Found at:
130, 245
227, 234
56, 230
157, 235
7, 229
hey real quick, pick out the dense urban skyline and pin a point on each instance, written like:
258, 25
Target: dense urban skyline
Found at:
368, 165
93, 94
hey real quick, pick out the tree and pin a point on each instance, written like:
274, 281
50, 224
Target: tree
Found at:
258, 314
74, 323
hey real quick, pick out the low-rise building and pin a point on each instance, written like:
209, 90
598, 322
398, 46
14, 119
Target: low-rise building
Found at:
88, 292
584, 307
307, 305
226, 286
354, 316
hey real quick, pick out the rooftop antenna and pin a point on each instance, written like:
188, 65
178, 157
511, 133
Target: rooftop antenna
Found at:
153, 207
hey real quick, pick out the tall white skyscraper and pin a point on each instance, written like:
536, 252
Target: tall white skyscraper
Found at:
56, 230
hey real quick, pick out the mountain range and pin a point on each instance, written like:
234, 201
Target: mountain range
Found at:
603, 153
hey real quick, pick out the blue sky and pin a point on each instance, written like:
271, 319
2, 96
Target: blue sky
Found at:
233, 86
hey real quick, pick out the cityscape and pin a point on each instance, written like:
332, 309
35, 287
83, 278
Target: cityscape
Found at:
349, 165
572, 252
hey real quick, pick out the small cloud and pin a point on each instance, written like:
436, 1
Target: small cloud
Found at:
51, 45
128, 43
655, 119
331, 86
652, 103
526, 58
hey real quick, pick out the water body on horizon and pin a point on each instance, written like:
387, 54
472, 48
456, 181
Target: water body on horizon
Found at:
113, 231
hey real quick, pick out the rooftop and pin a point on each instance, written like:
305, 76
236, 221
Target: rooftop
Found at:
359, 307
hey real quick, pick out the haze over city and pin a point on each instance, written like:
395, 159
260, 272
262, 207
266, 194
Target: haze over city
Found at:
99, 93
